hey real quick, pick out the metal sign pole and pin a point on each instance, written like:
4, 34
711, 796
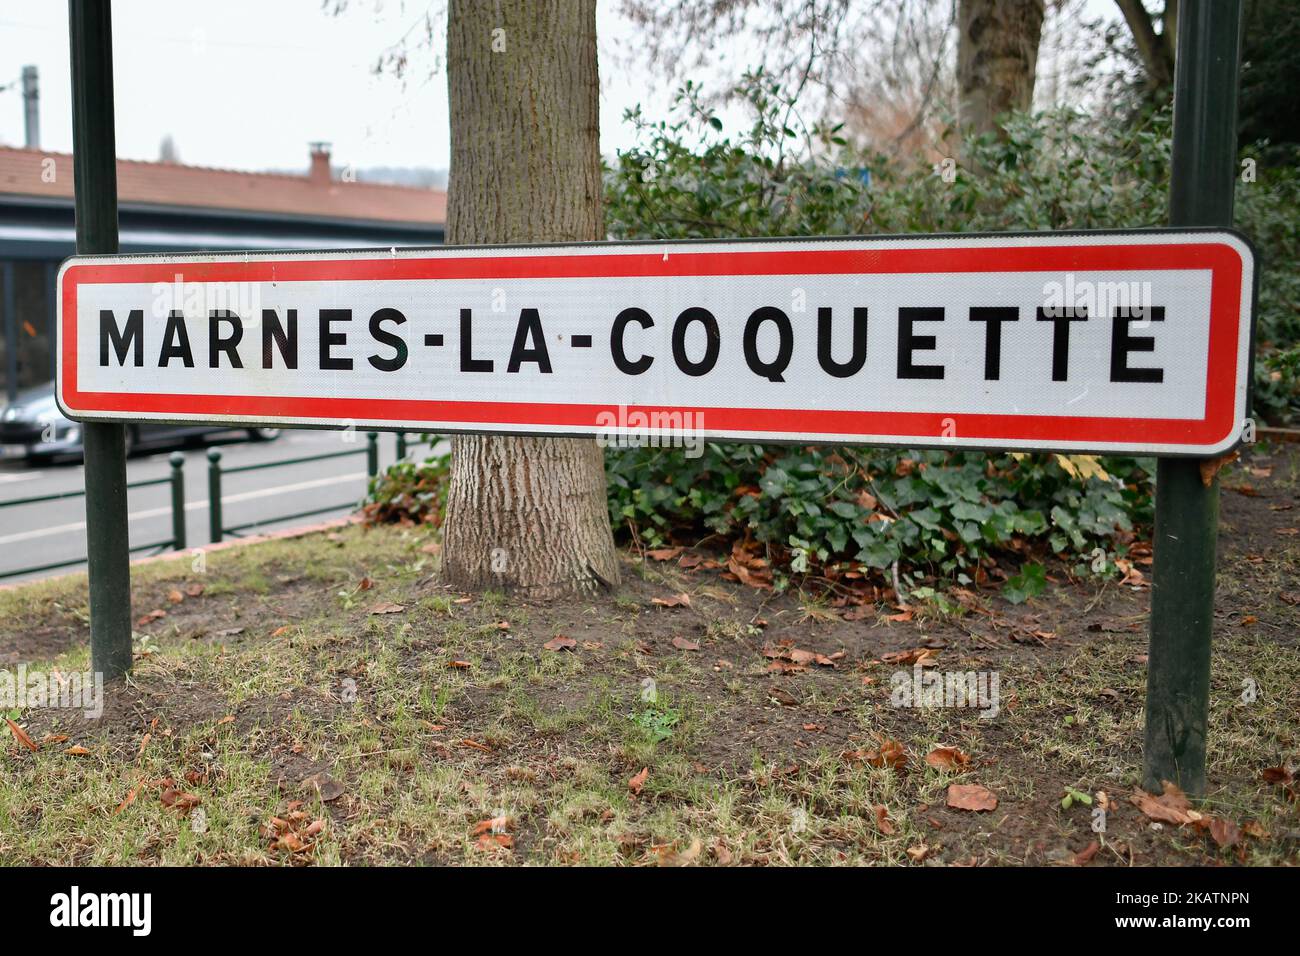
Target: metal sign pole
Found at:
1187, 511
94, 159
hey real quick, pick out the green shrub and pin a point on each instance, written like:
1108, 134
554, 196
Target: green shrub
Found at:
933, 512
410, 492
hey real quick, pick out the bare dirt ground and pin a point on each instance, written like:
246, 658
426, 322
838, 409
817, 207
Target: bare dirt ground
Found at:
325, 701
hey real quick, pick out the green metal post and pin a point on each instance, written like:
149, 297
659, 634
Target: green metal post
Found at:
94, 165
1187, 512
372, 453
178, 501
214, 495
401, 446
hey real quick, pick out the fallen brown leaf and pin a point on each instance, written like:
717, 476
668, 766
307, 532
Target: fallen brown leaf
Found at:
560, 643
21, 736
1170, 807
638, 780
493, 825
946, 758
971, 796
1211, 466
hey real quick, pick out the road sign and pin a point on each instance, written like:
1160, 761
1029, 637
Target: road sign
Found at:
1118, 342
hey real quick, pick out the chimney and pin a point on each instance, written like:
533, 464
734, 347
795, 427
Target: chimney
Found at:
32, 107
320, 164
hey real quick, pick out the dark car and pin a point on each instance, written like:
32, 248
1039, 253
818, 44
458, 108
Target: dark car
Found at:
33, 427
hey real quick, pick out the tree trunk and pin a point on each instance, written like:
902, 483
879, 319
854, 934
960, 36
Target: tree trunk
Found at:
997, 54
1155, 50
525, 514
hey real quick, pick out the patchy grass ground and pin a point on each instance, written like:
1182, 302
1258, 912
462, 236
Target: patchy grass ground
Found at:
274, 717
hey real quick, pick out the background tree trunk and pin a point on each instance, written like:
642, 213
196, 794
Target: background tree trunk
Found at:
997, 55
525, 514
1155, 49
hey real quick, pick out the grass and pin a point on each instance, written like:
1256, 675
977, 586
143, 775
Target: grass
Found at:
430, 723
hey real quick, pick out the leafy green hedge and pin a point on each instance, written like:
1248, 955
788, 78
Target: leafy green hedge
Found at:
927, 514
935, 513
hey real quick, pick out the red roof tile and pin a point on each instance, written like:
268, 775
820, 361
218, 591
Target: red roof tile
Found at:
172, 184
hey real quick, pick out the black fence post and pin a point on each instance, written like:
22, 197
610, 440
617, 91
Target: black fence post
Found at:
1202, 177
372, 453
214, 495
401, 446
178, 501
94, 165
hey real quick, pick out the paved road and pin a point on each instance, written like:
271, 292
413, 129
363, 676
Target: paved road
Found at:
55, 531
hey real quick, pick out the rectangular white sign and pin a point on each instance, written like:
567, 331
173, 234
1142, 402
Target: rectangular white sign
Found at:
1122, 342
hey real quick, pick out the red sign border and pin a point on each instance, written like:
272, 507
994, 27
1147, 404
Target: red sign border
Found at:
1219, 425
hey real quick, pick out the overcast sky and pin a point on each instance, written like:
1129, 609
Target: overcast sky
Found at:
246, 84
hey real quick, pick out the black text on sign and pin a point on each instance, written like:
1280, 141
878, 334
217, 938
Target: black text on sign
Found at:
1134, 342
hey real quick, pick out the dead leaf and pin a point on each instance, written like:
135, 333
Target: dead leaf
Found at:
387, 607
459, 664
882, 820
1276, 775
152, 616
1087, 853
493, 825
175, 596
918, 853
638, 780
130, 799
1224, 832
560, 643
917, 656
664, 554
180, 801
682, 644
971, 796
946, 758
677, 600
325, 786
753, 578
496, 841
76, 751
1211, 466
1170, 807
194, 590
890, 754
21, 736
784, 698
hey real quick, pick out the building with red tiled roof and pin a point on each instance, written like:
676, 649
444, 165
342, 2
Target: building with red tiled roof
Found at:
171, 207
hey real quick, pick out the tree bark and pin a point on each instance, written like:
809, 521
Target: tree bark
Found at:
525, 514
997, 55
